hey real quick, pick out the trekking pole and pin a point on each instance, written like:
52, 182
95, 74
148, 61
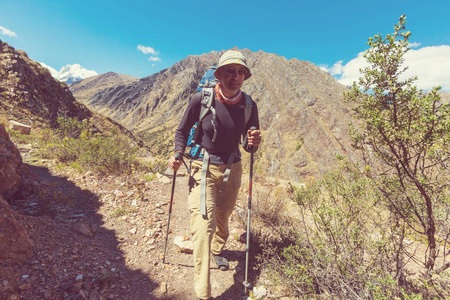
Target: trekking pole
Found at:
177, 157
247, 285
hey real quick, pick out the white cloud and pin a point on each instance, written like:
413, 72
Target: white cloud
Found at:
147, 50
337, 68
430, 64
348, 73
414, 45
323, 67
150, 50
7, 32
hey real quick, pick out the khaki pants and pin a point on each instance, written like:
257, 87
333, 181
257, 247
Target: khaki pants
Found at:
210, 234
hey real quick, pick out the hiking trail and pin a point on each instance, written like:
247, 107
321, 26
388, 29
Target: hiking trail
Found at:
102, 237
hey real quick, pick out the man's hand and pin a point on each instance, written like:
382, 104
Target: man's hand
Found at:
175, 162
254, 138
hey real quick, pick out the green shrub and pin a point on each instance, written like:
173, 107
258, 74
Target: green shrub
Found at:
406, 133
348, 245
345, 243
71, 127
19, 138
158, 166
111, 154
300, 144
120, 211
75, 145
147, 177
66, 149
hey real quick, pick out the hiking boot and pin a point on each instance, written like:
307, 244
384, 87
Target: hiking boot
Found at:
221, 262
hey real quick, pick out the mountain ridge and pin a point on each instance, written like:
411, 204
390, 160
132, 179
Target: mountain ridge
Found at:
86, 88
302, 113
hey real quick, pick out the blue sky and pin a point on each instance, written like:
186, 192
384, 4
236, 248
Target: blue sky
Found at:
105, 35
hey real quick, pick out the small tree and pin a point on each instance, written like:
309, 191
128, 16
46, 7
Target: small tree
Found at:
406, 134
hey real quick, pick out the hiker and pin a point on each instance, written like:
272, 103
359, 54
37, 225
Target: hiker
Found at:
209, 221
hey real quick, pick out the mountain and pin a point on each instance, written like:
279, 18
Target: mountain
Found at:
445, 97
73, 73
87, 88
302, 113
70, 73
31, 95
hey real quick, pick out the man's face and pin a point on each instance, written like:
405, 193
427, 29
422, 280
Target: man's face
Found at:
231, 78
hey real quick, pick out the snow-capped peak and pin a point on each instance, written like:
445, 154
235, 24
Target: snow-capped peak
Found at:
70, 73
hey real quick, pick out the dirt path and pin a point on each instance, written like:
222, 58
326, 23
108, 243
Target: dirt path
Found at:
103, 238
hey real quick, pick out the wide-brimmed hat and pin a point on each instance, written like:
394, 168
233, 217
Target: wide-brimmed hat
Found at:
233, 57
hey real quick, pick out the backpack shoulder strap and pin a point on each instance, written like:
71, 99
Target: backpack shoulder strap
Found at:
206, 105
207, 99
247, 108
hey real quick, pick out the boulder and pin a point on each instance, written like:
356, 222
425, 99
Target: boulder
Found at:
184, 244
14, 241
22, 128
10, 164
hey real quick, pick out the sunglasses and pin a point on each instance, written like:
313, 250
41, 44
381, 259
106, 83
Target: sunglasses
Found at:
231, 71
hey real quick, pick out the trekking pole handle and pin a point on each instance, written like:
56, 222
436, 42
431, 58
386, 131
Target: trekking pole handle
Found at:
177, 155
246, 138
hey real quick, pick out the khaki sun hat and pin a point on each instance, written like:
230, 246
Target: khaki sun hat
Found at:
233, 57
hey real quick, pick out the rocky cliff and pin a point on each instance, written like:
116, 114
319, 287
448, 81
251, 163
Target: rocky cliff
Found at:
303, 116
14, 243
29, 94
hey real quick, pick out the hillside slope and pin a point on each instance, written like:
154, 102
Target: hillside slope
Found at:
87, 88
28, 92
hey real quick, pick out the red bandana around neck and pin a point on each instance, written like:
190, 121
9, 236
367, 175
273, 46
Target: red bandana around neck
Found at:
227, 101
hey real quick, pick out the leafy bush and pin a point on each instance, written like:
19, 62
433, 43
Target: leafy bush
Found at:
361, 230
19, 138
113, 154
345, 246
407, 134
74, 144
66, 150
158, 166
71, 127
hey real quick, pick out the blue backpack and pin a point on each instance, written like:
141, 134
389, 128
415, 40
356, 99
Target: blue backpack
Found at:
208, 80
206, 86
